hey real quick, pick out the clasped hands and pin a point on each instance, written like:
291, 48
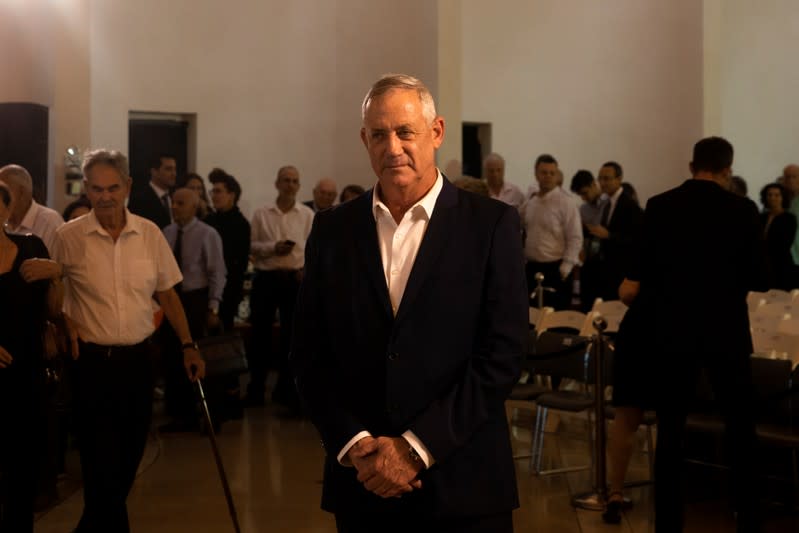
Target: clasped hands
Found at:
384, 466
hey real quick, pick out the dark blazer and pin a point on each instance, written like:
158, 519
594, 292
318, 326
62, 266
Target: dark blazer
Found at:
311, 204
702, 252
615, 252
441, 368
146, 203
235, 232
779, 236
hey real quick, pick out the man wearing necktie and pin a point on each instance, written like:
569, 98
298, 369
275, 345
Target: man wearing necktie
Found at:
153, 201
617, 230
198, 253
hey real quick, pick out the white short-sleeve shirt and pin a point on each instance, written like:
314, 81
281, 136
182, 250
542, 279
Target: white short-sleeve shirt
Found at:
108, 285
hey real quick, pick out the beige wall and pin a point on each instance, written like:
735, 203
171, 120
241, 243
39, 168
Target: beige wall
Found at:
271, 82
754, 83
587, 81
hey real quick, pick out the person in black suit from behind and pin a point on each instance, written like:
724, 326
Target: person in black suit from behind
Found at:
617, 230
701, 253
152, 201
409, 330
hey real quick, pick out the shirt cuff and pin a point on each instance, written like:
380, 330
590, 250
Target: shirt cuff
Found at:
420, 448
342, 458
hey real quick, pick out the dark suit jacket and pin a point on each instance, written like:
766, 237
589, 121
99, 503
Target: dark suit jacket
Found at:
145, 203
310, 204
442, 368
615, 252
702, 252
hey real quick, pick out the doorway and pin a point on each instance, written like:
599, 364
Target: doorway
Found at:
476, 144
152, 134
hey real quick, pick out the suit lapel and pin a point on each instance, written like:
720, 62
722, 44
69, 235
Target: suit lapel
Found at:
369, 250
438, 231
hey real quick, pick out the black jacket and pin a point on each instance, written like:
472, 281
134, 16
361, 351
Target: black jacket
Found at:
441, 368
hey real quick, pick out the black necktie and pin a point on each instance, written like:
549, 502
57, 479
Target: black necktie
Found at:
605, 215
165, 201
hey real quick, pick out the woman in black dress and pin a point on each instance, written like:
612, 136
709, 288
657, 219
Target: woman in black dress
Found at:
779, 226
27, 296
631, 392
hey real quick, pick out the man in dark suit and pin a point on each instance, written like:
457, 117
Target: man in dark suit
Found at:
152, 201
409, 329
617, 230
701, 252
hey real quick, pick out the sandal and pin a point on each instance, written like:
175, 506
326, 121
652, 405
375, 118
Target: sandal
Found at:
613, 507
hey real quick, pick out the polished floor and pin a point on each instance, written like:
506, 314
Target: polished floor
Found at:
274, 465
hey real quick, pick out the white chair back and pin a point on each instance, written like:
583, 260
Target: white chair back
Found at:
536, 315
564, 319
612, 311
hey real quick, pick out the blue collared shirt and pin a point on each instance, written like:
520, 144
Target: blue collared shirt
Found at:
202, 260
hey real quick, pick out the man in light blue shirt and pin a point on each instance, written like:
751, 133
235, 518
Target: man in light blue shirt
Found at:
198, 252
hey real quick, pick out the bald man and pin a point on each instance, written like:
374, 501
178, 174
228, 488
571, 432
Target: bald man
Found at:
198, 251
790, 180
27, 216
324, 194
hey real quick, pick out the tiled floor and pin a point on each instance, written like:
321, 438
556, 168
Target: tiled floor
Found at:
274, 465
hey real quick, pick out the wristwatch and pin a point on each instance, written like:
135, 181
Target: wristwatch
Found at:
186, 345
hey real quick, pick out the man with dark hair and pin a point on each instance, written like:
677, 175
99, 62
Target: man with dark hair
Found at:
617, 230
553, 234
790, 180
697, 267
153, 202
584, 185
235, 232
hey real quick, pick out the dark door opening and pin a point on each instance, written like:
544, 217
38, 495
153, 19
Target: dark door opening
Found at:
150, 137
476, 144
24, 132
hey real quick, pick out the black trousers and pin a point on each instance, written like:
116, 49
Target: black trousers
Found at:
561, 298
272, 290
113, 395
496, 523
730, 376
179, 395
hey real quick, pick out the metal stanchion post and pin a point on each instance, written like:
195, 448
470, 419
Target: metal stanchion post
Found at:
596, 500
539, 290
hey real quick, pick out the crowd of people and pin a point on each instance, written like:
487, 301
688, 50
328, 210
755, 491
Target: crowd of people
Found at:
434, 278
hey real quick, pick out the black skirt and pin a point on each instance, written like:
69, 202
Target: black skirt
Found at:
633, 373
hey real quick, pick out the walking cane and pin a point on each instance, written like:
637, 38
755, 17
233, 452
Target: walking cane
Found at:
219, 466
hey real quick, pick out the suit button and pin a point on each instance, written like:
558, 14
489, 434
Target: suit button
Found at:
392, 356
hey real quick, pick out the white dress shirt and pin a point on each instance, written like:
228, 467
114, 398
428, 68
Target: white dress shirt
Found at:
554, 232
271, 225
399, 244
108, 285
510, 194
613, 201
42, 222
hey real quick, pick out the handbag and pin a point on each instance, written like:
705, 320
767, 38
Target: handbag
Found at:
224, 355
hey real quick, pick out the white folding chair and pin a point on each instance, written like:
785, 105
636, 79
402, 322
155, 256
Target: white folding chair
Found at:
777, 309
